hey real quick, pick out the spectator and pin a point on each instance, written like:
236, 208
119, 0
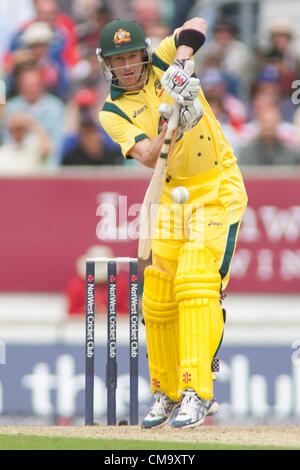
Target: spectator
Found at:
89, 29
262, 100
86, 75
266, 148
123, 9
20, 59
235, 56
47, 109
83, 105
83, 9
182, 9
269, 82
215, 86
213, 61
281, 56
27, 147
282, 40
64, 48
275, 59
75, 288
91, 148
13, 13
48, 11
37, 39
147, 14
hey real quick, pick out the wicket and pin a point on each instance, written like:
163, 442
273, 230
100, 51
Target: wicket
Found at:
111, 363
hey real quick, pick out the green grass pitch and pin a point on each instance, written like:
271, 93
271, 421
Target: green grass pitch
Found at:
25, 442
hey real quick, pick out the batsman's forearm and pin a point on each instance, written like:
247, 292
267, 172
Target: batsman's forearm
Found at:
147, 151
184, 52
156, 146
191, 37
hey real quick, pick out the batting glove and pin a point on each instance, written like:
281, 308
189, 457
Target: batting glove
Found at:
178, 84
189, 115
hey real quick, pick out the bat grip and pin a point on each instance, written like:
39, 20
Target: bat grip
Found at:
174, 119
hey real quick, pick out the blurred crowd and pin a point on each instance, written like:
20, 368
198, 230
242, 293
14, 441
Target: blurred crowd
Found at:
54, 88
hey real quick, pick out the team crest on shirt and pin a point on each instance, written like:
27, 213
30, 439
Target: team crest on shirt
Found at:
158, 88
157, 84
121, 36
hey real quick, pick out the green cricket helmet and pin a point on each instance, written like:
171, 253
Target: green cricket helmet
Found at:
120, 36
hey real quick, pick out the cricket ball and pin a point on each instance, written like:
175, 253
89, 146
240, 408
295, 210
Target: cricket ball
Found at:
180, 195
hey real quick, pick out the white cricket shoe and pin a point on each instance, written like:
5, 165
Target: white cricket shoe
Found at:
214, 407
194, 410
160, 412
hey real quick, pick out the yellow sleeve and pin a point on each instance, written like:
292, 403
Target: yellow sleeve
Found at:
123, 132
166, 50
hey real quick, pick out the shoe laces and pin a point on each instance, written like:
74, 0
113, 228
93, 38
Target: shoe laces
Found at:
188, 402
158, 405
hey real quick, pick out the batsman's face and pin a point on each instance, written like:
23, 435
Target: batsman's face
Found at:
128, 68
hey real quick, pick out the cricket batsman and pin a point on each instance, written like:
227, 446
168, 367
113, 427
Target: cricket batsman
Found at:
190, 268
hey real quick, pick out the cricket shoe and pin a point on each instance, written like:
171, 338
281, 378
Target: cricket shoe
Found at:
214, 407
160, 412
194, 410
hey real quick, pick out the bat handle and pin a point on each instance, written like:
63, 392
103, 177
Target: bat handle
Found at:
174, 119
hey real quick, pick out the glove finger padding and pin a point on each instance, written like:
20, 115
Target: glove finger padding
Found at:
165, 110
178, 84
190, 115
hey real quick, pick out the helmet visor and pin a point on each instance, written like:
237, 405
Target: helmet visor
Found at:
129, 77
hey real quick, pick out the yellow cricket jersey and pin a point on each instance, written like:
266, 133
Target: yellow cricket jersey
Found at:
129, 117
